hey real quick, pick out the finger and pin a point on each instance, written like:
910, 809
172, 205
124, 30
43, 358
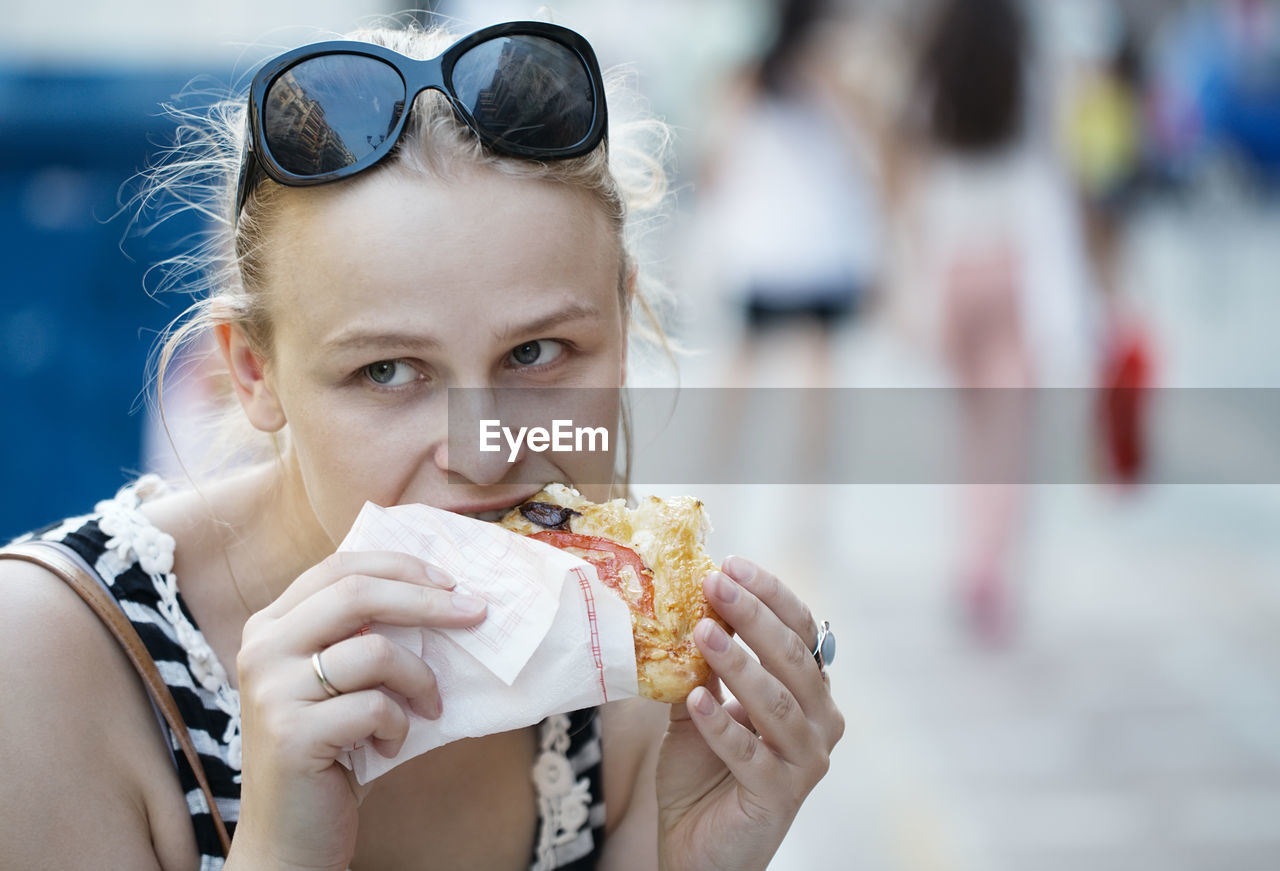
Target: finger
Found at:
780, 648
732, 705
346, 607
739, 714
680, 710
377, 563
751, 764
351, 719
769, 704
370, 661
766, 587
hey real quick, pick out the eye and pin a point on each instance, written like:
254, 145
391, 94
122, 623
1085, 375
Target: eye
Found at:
391, 373
539, 352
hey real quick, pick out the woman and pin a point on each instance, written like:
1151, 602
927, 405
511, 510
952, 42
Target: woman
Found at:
796, 245
371, 265
991, 275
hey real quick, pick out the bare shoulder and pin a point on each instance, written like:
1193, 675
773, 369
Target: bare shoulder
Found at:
86, 764
51, 647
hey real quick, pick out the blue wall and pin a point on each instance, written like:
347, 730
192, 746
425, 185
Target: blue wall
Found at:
76, 323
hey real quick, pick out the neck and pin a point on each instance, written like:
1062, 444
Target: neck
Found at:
266, 530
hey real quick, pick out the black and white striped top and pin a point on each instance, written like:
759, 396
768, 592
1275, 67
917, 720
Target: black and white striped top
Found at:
134, 559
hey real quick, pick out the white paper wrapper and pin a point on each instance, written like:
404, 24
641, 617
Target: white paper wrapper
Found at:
555, 639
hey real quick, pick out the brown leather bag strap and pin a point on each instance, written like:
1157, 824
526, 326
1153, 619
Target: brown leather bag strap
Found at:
56, 559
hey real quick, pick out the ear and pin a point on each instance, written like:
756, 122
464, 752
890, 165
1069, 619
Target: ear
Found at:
629, 282
248, 378
628, 297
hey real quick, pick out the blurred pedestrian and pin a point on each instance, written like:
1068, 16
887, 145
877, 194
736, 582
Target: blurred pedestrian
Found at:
990, 271
787, 192
790, 235
1103, 137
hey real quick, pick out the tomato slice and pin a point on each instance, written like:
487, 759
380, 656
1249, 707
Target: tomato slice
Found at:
608, 557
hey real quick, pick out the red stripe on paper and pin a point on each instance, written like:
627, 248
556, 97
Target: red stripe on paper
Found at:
585, 584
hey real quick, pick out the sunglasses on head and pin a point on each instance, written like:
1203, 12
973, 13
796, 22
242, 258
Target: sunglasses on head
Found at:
327, 111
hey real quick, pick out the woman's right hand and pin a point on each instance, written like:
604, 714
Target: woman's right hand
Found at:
298, 804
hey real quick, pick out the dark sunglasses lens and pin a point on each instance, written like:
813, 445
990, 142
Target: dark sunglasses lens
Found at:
526, 91
331, 111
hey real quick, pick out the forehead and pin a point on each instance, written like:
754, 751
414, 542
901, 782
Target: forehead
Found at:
403, 246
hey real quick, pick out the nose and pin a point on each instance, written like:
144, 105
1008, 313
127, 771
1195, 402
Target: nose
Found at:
477, 468
475, 448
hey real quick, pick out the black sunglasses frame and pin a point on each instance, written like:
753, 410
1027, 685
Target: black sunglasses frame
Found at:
417, 76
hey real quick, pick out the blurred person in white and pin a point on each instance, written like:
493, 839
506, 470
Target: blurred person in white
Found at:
990, 271
363, 259
787, 194
787, 230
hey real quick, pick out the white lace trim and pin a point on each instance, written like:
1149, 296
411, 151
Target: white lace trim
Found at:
563, 803
134, 537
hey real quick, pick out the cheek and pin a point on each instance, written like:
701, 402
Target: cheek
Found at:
609, 364
593, 472
349, 453
337, 479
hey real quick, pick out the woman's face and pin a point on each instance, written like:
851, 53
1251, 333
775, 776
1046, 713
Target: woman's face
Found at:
386, 291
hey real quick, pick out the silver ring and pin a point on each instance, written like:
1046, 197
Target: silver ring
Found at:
329, 688
824, 652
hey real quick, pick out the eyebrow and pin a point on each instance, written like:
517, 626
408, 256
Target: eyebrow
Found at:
355, 340
358, 341
574, 311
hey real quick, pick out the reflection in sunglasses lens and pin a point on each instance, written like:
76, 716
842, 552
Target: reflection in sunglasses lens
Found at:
526, 90
331, 111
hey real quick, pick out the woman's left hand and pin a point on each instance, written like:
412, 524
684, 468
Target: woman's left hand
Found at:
731, 777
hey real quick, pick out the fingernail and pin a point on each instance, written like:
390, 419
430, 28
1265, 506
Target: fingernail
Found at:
440, 578
429, 708
715, 637
742, 570
469, 605
702, 701
725, 589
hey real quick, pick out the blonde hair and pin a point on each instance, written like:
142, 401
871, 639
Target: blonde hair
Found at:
224, 270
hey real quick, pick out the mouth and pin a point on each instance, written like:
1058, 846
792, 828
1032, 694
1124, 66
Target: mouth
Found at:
491, 513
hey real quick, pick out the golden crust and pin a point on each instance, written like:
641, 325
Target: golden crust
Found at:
668, 535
